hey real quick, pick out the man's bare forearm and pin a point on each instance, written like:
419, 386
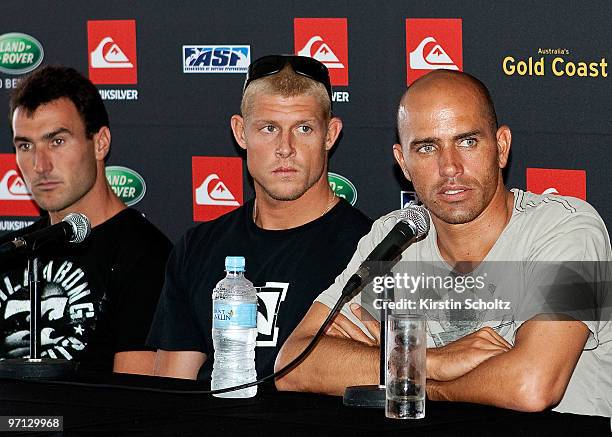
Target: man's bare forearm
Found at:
530, 377
496, 381
334, 364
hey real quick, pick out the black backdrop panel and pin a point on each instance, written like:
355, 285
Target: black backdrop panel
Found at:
558, 122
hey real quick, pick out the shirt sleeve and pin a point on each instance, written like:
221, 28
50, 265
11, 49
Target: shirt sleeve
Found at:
174, 327
578, 286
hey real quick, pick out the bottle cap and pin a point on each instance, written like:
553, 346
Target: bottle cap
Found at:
234, 263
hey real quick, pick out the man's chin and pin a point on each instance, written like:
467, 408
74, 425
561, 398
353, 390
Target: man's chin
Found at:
285, 195
454, 216
50, 206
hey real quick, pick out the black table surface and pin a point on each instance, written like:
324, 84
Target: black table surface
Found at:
107, 407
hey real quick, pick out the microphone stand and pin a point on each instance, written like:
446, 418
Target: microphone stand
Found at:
372, 396
34, 366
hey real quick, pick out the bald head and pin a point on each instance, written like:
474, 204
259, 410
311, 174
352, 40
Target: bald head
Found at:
451, 148
442, 87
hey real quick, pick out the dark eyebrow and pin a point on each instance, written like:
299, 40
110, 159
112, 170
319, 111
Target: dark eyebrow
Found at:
61, 130
427, 140
430, 140
46, 136
473, 133
24, 139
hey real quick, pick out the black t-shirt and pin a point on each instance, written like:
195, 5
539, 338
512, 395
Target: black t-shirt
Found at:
289, 268
98, 297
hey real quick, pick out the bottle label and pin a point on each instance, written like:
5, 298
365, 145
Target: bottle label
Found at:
243, 315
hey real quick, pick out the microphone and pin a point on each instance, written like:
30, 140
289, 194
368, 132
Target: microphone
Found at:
412, 224
74, 228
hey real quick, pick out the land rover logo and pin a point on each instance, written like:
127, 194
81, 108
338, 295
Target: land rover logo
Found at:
128, 185
19, 53
342, 187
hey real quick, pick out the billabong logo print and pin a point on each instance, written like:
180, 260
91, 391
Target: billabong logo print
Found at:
69, 312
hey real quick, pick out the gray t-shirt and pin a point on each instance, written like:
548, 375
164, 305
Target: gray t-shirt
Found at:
525, 273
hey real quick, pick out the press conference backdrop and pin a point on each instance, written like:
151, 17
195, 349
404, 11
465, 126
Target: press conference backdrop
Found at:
171, 75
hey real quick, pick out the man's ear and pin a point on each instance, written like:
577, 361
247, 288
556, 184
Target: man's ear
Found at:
237, 123
399, 157
102, 140
504, 139
334, 127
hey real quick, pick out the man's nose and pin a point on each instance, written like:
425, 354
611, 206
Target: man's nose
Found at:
42, 160
286, 146
450, 162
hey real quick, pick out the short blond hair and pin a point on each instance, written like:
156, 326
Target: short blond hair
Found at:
286, 83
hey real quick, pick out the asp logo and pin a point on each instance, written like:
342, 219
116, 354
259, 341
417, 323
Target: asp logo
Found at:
112, 51
431, 44
15, 199
217, 186
216, 59
556, 181
326, 40
407, 198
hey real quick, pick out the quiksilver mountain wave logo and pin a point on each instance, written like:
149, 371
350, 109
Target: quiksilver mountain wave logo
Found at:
19, 53
127, 184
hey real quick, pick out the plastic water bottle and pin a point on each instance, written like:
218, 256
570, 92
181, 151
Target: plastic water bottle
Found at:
234, 331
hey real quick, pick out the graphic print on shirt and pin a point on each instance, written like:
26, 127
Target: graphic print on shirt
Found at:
269, 298
449, 317
69, 312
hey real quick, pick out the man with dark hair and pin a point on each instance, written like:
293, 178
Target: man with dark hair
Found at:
51, 83
531, 354
296, 235
99, 296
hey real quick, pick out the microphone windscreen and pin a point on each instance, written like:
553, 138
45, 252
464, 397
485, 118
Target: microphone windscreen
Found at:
80, 226
417, 216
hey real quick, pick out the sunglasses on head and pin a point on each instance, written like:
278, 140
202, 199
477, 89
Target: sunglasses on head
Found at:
272, 64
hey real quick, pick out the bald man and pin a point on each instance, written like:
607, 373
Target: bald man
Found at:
453, 151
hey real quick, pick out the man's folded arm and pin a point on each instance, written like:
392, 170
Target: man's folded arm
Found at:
346, 356
532, 376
